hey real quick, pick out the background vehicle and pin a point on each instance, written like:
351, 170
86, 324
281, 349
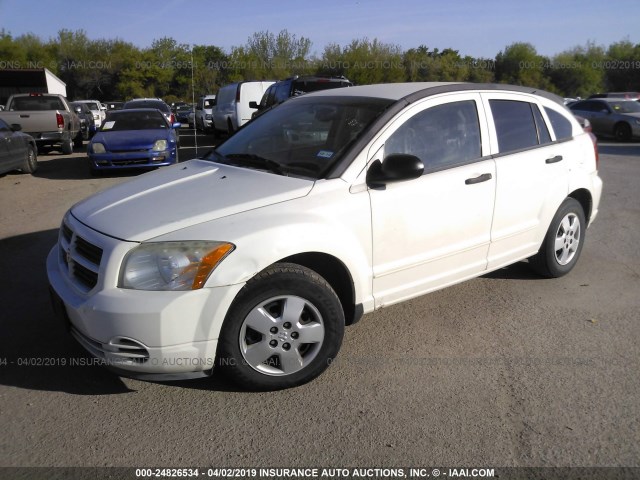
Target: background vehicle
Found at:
203, 116
154, 103
232, 104
618, 95
322, 209
294, 86
611, 117
113, 105
18, 150
182, 113
99, 112
48, 118
133, 138
87, 125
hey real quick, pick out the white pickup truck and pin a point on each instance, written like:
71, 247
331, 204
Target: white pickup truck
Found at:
46, 117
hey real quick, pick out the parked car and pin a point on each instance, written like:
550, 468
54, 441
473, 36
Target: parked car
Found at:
294, 86
611, 117
233, 104
99, 112
87, 125
203, 116
113, 105
47, 117
133, 138
156, 103
182, 113
254, 258
617, 95
18, 150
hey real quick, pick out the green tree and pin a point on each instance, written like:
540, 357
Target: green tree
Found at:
520, 64
575, 72
364, 62
622, 66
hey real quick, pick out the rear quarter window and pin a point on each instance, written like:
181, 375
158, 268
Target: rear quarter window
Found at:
561, 126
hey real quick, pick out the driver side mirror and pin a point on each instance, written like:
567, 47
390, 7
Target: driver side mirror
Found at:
397, 167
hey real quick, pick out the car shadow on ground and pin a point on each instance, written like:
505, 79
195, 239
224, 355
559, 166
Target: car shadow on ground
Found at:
517, 271
623, 149
36, 351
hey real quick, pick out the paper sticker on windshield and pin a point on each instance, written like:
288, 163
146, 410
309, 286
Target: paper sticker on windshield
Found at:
324, 154
108, 125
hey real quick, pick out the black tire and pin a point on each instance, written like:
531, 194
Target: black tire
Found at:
67, 147
622, 132
289, 304
78, 141
31, 160
230, 129
563, 242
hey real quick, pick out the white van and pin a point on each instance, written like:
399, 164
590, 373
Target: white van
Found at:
204, 112
232, 110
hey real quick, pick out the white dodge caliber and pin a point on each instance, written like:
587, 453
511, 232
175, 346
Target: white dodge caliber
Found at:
254, 258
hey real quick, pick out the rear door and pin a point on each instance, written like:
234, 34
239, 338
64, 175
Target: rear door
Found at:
435, 230
533, 175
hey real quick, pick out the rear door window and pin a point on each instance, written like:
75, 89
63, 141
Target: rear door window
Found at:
515, 125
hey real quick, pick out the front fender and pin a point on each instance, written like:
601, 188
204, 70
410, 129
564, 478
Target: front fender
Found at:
329, 220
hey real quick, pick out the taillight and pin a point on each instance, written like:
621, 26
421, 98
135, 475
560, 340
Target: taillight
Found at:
595, 148
60, 120
172, 119
238, 93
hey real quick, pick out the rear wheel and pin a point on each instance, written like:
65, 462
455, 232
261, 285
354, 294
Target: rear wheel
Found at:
563, 243
230, 129
283, 329
67, 146
31, 160
622, 132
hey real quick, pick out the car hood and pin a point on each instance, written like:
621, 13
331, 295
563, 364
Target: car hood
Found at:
130, 139
183, 195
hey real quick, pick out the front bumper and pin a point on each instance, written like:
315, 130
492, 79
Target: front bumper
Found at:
142, 334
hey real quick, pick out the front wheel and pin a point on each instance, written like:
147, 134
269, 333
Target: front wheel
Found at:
283, 329
31, 160
563, 242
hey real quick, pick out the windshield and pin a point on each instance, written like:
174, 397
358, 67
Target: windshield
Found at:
628, 106
124, 120
305, 136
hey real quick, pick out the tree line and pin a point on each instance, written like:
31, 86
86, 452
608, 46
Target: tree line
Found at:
115, 69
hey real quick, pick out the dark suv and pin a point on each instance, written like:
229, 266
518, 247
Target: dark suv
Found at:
294, 86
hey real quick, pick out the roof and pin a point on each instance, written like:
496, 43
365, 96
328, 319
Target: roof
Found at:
415, 90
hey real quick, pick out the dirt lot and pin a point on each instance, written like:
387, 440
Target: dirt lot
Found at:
504, 370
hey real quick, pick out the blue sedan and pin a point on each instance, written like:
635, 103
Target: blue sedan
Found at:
133, 138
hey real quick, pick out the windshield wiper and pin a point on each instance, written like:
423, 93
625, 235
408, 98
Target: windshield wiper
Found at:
253, 160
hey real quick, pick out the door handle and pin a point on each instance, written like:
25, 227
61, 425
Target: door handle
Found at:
555, 159
479, 179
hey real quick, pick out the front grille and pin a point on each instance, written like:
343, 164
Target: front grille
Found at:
88, 251
131, 161
80, 258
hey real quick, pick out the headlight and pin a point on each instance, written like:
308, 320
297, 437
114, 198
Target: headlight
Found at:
172, 265
159, 146
97, 147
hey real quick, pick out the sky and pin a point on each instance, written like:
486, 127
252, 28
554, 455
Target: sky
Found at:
480, 28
